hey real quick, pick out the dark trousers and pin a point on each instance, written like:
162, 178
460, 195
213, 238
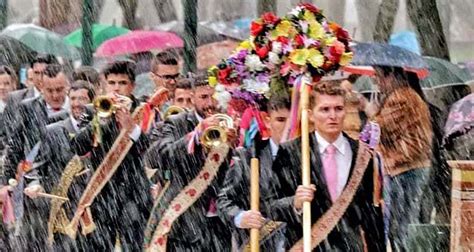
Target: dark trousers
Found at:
404, 194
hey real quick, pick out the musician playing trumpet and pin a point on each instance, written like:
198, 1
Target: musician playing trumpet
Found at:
121, 208
180, 156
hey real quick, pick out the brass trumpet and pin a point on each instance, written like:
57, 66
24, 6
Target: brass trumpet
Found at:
173, 110
106, 106
216, 135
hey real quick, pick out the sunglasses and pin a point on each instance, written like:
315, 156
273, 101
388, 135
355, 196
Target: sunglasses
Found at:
168, 76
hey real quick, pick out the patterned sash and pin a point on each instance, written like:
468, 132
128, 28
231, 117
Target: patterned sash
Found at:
162, 218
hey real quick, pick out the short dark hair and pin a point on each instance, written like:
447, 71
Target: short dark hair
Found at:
200, 80
277, 102
9, 71
332, 88
166, 58
121, 67
44, 58
184, 83
81, 84
86, 73
53, 70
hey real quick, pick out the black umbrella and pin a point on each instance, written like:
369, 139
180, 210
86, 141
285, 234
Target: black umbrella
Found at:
377, 54
14, 53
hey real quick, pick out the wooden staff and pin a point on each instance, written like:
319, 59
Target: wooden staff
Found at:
305, 163
254, 202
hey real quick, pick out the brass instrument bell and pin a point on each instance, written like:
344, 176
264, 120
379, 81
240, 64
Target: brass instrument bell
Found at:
173, 110
106, 106
216, 135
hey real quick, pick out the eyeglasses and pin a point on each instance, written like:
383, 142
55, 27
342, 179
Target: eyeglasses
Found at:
167, 76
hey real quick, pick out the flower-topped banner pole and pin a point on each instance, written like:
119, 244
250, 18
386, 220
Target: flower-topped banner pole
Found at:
283, 56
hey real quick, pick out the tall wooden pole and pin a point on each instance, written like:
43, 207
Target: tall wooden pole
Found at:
306, 173
254, 202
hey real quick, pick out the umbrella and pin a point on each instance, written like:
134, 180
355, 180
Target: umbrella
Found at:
205, 35
461, 117
212, 53
41, 40
443, 73
367, 55
100, 33
139, 41
14, 53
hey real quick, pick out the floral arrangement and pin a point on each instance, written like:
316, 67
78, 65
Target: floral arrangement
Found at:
279, 52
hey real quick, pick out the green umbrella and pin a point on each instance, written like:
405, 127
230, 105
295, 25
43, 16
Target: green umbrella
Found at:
100, 33
14, 53
41, 40
443, 73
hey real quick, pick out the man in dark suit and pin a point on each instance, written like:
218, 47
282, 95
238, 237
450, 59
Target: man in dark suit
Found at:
34, 115
199, 228
233, 202
332, 158
56, 152
122, 207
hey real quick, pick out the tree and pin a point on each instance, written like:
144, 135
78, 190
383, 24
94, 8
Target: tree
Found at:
367, 15
385, 20
165, 10
266, 6
425, 16
3, 13
129, 9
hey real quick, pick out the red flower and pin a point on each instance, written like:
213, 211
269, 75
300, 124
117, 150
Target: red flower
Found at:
269, 18
283, 40
262, 52
299, 40
256, 28
223, 74
309, 7
177, 207
166, 223
191, 192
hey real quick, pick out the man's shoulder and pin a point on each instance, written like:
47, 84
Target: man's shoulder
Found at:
18, 94
182, 119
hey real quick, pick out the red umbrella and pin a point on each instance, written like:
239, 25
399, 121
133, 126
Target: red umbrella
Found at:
139, 41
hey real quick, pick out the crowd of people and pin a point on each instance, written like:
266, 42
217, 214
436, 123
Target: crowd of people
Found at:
54, 118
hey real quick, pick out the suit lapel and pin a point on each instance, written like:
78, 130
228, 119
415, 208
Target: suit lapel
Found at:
354, 147
69, 127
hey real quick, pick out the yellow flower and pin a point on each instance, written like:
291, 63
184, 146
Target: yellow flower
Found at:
309, 17
283, 29
329, 40
346, 58
316, 30
245, 45
299, 56
212, 81
315, 58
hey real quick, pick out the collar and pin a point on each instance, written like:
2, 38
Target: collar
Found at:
64, 107
75, 123
273, 147
199, 118
339, 143
36, 92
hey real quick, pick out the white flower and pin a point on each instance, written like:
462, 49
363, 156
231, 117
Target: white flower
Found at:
252, 85
276, 47
304, 26
296, 11
273, 58
222, 96
253, 63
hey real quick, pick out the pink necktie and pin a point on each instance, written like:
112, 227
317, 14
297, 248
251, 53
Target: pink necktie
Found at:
330, 171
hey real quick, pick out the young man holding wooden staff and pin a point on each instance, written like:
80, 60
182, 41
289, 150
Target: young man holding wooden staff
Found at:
233, 201
338, 175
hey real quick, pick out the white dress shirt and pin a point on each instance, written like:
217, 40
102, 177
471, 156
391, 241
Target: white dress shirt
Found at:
65, 107
36, 92
343, 158
273, 148
75, 124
